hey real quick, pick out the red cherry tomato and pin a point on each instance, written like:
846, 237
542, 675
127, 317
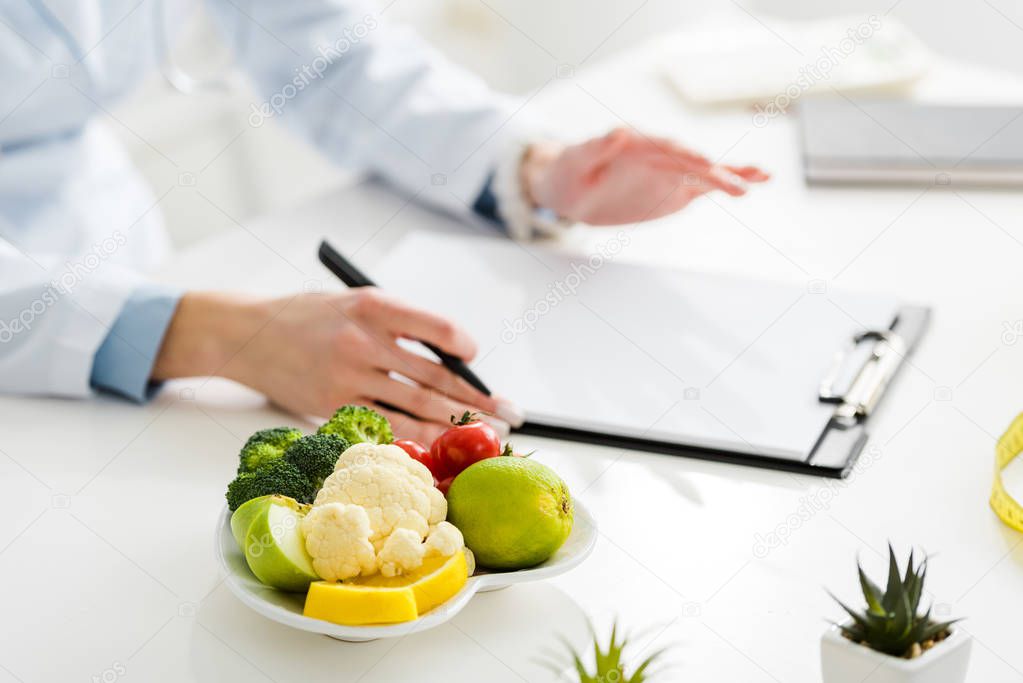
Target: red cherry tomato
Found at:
444, 484
417, 451
468, 441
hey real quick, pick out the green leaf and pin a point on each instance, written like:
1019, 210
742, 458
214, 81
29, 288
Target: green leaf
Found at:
870, 592
934, 629
903, 622
917, 590
894, 582
609, 661
859, 619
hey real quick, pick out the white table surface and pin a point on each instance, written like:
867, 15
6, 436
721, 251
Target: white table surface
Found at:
107, 569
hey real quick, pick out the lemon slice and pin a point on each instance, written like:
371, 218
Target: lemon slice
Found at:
342, 603
439, 579
380, 599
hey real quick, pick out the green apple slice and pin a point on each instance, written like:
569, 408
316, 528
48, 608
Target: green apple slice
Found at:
275, 547
249, 510
243, 516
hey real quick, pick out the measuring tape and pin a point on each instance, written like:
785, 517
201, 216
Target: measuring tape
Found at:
1008, 447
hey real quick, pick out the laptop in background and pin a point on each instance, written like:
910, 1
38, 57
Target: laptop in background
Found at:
902, 142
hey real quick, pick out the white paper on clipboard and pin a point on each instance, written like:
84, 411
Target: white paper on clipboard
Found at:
702, 359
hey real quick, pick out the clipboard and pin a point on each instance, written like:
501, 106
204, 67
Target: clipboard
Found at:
840, 444
781, 375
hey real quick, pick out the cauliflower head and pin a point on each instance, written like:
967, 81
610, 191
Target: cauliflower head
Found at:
390, 493
438, 506
365, 453
444, 539
402, 552
337, 538
377, 512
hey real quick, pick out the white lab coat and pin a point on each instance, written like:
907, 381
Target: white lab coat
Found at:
78, 224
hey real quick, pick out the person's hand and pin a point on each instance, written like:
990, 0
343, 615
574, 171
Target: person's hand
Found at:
312, 353
625, 177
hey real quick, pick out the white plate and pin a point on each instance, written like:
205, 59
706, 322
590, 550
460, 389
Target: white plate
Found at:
286, 608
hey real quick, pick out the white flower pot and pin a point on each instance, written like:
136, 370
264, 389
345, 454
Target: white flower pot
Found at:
843, 661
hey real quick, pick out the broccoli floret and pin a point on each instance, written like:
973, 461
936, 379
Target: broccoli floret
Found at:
358, 424
276, 477
315, 455
265, 446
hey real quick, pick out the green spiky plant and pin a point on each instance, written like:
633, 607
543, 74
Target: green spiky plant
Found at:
892, 622
609, 665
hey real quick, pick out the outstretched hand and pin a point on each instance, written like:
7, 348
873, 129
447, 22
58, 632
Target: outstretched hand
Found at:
625, 177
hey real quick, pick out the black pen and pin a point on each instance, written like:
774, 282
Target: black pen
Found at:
353, 277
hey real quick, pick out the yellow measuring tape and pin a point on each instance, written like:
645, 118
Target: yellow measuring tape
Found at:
1008, 447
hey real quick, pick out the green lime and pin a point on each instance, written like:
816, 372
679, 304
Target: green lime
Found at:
513, 512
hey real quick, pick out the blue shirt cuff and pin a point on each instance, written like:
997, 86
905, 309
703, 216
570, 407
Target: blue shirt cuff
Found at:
486, 203
124, 361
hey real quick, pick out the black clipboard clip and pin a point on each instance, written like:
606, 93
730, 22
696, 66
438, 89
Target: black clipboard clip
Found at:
869, 382
880, 354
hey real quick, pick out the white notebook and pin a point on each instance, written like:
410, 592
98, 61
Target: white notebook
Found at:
700, 359
779, 61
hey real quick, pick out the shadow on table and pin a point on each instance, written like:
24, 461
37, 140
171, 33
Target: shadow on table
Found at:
677, 470
503, 635
598, 474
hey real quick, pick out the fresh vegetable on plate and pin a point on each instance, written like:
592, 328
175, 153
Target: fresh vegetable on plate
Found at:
276, 477
360, 523
444, 485
358, 424
467, 441
400, 507
265, 446
315, 456
282, 461
376, 534
337, 537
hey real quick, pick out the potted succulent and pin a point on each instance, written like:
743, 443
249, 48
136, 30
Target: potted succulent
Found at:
890, 641
609, 667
